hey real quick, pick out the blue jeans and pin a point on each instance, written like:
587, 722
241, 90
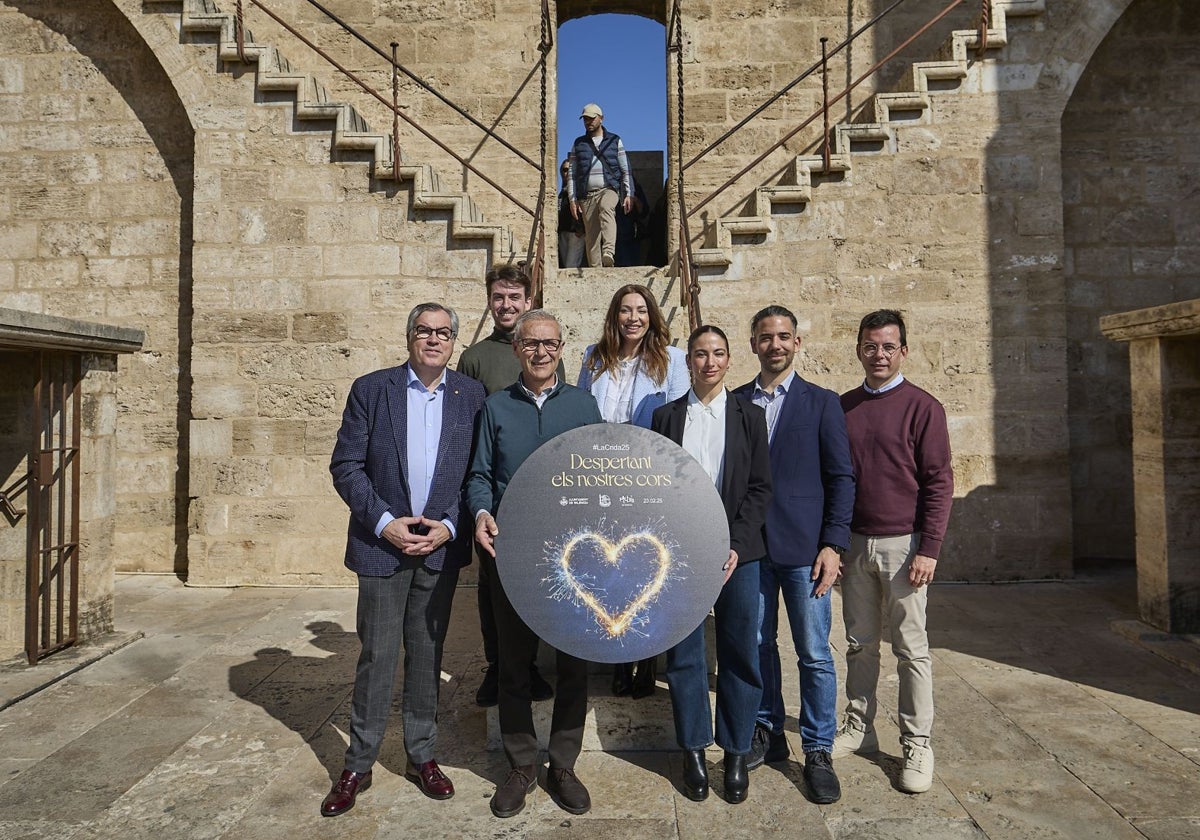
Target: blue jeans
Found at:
739, 685
809, 618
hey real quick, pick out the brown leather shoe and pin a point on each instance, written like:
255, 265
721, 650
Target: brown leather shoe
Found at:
345, 789
510, 796
430, 779
568, 792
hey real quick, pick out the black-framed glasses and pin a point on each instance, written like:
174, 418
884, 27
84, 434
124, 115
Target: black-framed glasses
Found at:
530, 345
442, 333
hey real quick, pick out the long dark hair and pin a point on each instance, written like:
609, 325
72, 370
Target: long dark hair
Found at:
653, 352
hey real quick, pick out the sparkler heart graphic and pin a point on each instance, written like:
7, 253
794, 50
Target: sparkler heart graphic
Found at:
616, 623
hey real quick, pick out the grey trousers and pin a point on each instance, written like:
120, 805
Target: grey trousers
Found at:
411, 607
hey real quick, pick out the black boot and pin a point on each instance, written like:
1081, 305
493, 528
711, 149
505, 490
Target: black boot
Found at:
737, 778
643, 682
622, 684
695, 775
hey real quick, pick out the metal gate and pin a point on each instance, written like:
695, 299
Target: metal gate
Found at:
52, 558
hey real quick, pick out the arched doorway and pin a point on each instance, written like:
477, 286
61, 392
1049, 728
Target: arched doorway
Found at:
1131, 224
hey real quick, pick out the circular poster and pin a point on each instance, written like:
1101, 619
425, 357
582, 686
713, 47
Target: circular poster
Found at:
611, 542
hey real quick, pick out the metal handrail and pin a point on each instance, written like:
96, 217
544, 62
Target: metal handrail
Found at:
392, 106
814, 67
824, 109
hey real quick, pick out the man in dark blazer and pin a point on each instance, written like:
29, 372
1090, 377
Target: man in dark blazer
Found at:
399, 464
808, 530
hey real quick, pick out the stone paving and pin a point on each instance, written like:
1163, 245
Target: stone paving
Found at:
222, 713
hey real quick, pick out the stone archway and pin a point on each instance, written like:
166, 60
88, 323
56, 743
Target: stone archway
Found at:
1131, 222
102, 187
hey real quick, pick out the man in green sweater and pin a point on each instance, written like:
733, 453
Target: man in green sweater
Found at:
492, 362
513, 423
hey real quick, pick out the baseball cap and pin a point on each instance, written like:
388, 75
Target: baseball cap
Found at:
592, 110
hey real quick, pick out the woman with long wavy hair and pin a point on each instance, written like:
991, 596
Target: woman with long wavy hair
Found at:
631, 371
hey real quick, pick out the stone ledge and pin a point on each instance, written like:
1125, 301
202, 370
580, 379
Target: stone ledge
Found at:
50, 332
1172, 319
19, 680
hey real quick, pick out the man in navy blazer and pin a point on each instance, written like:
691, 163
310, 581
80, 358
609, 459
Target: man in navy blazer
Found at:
399, 464
807, 530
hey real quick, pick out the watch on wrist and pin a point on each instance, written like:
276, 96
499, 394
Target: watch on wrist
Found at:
841, 552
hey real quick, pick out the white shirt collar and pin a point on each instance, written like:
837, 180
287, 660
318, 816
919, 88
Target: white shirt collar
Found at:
889, 386
716, 405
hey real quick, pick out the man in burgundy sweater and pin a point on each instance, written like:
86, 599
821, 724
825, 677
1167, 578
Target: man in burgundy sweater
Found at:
901, 453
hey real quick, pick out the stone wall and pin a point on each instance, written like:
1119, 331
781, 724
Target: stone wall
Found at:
303, 277
302, 270
95, 157
1132, 228
479, 54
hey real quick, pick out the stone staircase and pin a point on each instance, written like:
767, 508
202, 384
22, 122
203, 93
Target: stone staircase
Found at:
874, 133
351, 132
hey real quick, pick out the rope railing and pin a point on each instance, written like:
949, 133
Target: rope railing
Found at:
535, 258
393, 103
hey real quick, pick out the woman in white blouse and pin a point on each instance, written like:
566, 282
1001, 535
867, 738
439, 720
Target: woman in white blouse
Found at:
631, 371
728, 436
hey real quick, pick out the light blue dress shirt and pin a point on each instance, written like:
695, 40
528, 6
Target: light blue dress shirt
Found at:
772, 402
423, 435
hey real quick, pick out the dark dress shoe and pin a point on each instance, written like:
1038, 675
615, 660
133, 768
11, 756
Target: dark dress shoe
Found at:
539, 689
345, 789
430, 779
766, 747
643, 683
737, 778
823, 785
695, 775
509, 798
622, 684
568, 792
489, 690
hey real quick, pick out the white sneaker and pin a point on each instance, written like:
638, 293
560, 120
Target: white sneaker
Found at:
917, 774
851, 739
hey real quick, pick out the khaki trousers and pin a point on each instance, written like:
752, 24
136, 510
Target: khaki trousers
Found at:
877, 599
600, 225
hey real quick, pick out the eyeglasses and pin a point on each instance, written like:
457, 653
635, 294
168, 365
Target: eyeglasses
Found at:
887, 350
530, 345
442, 333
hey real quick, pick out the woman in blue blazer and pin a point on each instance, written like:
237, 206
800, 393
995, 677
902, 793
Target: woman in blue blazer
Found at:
631, 371
728, 436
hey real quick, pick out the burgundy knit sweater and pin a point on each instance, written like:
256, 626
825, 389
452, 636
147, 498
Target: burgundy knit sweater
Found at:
900, 447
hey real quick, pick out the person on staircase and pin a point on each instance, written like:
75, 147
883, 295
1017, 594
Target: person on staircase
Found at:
631, 371
570, 228
600, 180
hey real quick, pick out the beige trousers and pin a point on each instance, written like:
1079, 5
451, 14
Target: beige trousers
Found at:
877, 599
600, 225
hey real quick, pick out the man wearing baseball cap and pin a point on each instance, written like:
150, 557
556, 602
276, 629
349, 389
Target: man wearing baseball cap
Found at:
599, 179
